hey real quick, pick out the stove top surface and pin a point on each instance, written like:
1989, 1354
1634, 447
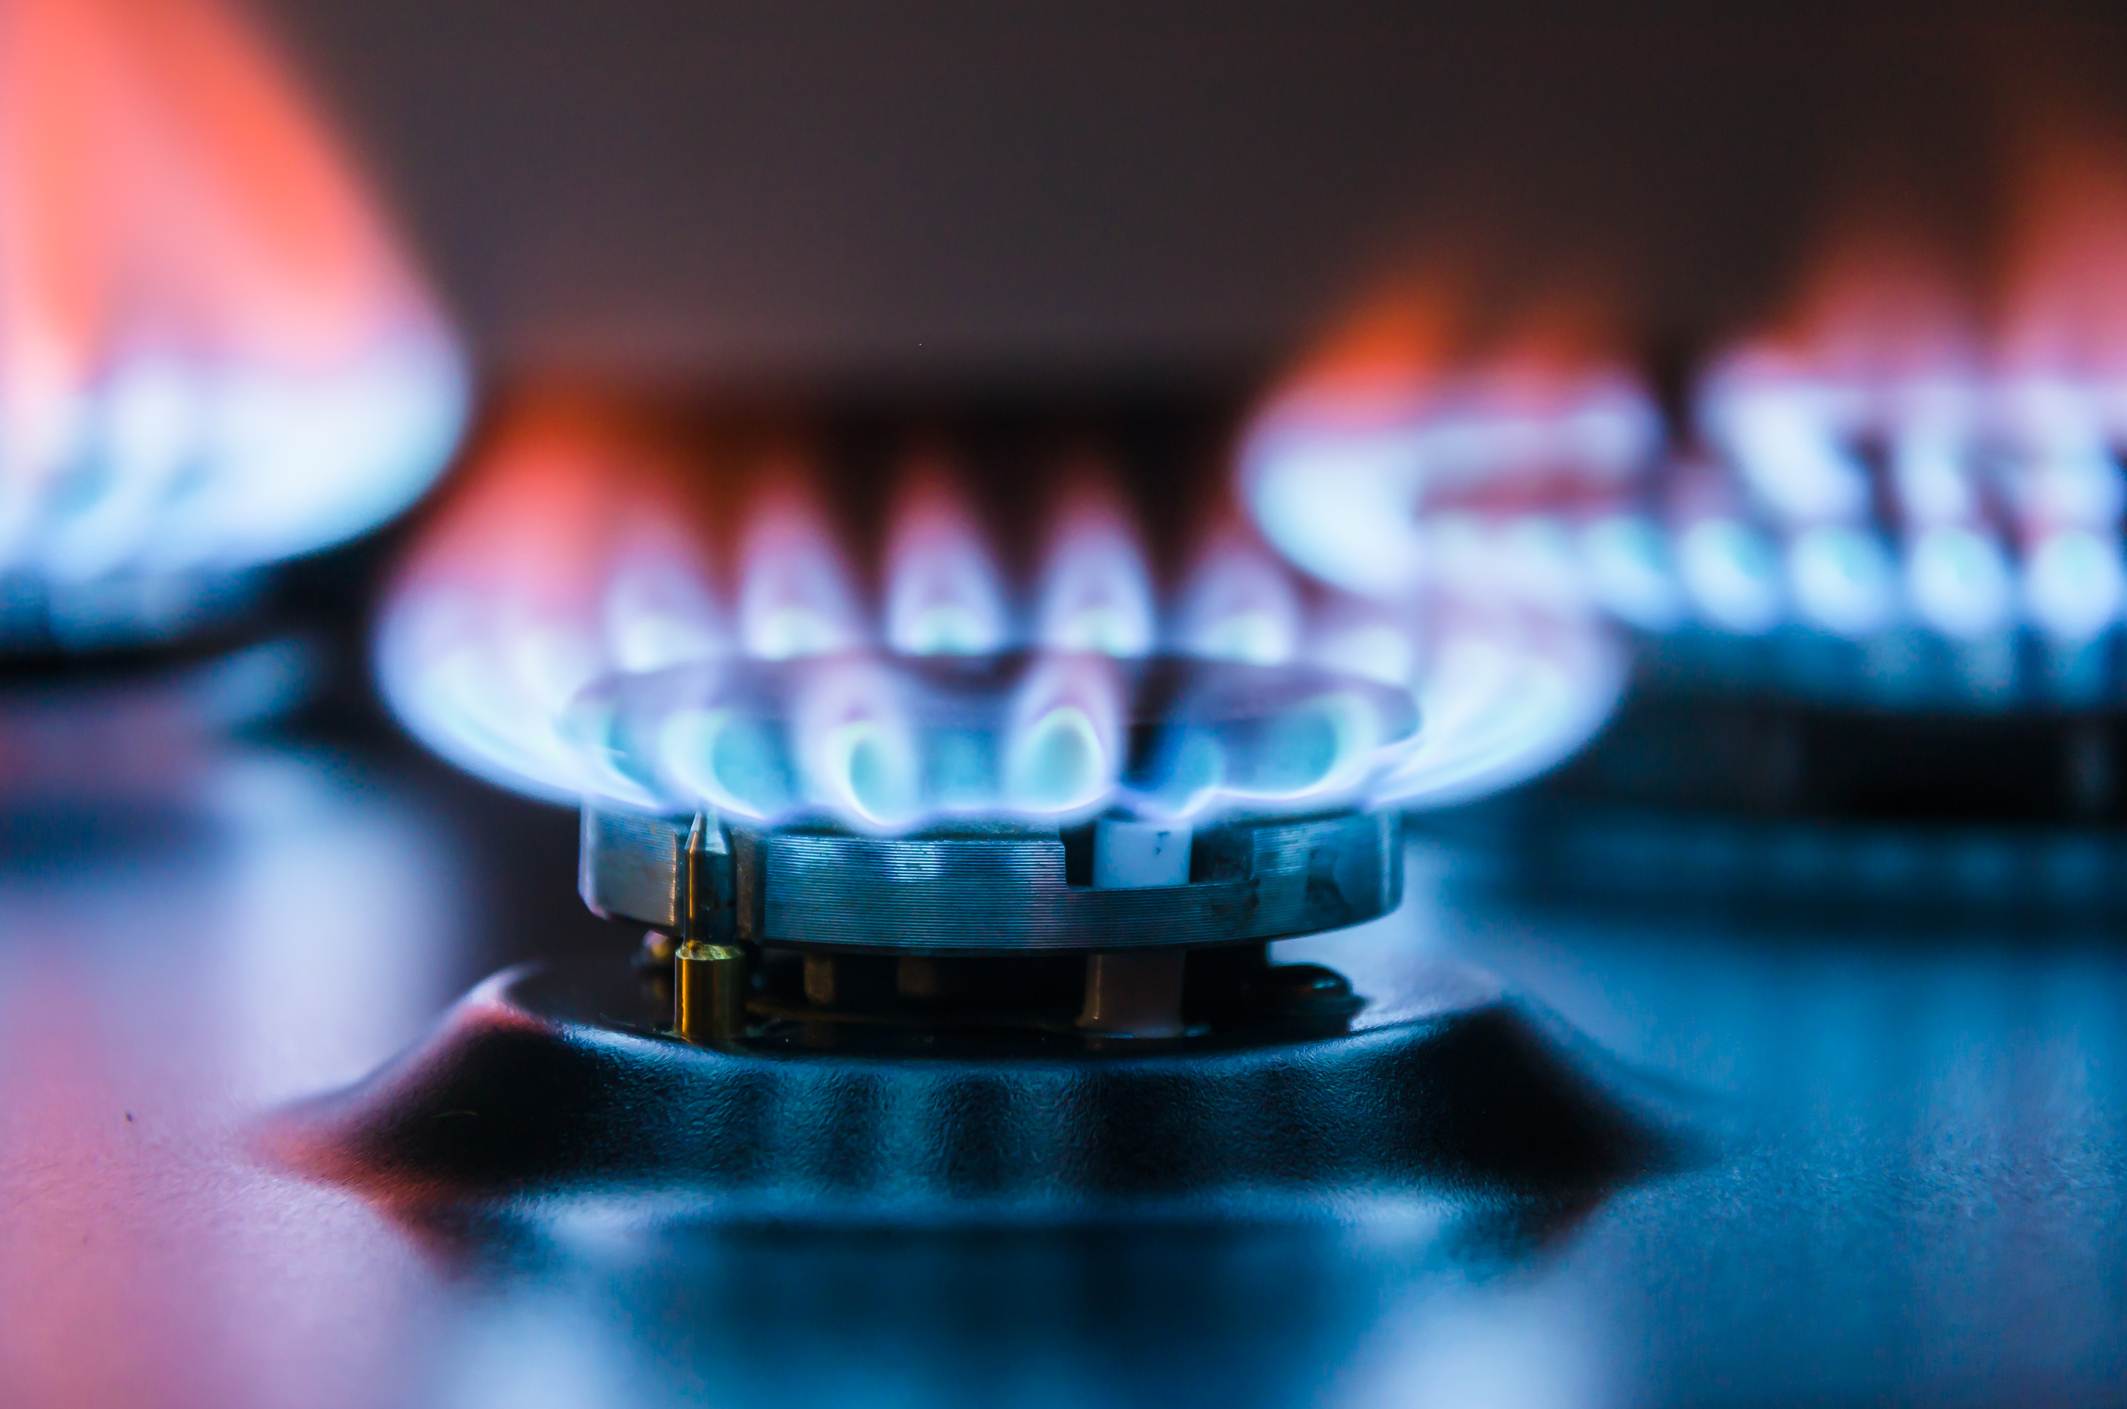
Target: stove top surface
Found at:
1914, 1188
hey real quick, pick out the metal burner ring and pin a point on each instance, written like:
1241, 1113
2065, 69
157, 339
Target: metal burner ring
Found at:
983, 889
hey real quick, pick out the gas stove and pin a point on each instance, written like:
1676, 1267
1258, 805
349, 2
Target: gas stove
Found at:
971, 902
983, 805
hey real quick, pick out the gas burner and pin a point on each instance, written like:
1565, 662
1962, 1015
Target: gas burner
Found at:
1440, 1087
1075, 833
991, 928
995, 1000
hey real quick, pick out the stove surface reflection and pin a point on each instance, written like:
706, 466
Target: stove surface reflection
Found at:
1922, 1196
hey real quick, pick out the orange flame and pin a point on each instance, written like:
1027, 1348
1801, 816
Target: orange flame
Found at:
211, 349
1398, 345
2065, 274
1417, 406
1975, 422
574, 546
170, 187
505, 643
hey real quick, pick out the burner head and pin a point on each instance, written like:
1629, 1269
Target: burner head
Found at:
993, 889
1052, 808
1061, 802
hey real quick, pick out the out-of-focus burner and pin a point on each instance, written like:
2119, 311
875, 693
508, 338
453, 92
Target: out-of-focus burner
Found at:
215, 354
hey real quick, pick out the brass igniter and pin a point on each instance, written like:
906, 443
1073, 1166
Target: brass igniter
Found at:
709, 993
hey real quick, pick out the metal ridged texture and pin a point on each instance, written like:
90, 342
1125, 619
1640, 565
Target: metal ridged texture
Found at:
631, 866
999, 892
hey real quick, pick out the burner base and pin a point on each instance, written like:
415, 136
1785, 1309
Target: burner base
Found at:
1000, 1004
1441, 1085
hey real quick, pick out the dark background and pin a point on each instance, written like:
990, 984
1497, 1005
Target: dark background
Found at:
877, 193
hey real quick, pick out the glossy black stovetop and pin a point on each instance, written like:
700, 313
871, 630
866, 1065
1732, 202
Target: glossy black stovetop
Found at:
1909, 1168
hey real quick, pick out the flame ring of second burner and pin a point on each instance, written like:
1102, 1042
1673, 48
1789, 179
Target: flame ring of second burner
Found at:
982, 890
